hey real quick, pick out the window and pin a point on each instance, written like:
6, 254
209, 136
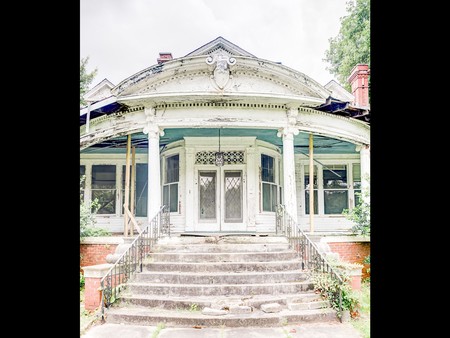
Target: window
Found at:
269, 187
140, 192
357, 182
170, 187
104, 187
316, 194
335, 188
82, 181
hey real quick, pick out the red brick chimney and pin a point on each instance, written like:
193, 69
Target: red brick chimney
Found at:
359, 80
163, 57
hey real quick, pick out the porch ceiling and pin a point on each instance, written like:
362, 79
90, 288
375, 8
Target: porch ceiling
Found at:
322, 144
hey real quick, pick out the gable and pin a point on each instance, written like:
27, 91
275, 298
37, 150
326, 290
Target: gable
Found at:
219, 45
217, 68
99, 92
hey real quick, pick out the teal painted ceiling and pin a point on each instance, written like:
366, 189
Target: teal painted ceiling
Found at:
322, 144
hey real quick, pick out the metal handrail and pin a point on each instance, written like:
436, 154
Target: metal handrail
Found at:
132, 259
310, 256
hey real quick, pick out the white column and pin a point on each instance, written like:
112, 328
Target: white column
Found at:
290, 194
364, 154
252, 195
190, 205
154, 176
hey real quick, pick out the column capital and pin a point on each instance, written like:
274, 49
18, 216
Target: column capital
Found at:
287, 132
362, 147
153, 130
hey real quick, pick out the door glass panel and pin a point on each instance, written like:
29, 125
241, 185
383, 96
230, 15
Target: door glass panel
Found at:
233, 196
207, 186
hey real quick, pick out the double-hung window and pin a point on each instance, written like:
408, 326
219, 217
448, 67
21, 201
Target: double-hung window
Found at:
104, 188
335, 188
269, 186
170, 186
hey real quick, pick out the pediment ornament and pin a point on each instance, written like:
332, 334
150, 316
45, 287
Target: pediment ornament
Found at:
221, 74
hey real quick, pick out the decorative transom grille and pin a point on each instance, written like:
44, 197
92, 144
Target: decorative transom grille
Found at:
230, 157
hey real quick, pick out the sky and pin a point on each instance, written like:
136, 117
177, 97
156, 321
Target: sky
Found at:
123, 37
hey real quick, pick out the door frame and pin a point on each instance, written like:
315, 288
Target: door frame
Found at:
219, 225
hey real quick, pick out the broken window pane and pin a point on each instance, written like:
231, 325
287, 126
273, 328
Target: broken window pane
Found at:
104, 187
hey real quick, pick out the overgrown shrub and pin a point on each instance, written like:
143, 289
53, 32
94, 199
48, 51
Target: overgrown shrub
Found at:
329, 288
360, 214
87, 217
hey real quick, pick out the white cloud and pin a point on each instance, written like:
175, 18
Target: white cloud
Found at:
122, 38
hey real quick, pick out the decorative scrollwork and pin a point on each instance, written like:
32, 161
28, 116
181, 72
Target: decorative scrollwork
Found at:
230, 157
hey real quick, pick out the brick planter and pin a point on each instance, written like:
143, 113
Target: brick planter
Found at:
92, 290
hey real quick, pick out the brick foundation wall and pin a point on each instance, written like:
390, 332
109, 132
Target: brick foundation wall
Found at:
93, 250
352, 252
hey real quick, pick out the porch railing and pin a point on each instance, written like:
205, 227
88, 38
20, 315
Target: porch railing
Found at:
307, 251
132, 259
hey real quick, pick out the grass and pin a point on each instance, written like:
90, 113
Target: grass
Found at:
362, 322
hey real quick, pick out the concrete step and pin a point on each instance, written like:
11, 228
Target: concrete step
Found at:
221, 277
274, 265
200, 302
220, 289
222, 247
220, 257
185, 318
222, 239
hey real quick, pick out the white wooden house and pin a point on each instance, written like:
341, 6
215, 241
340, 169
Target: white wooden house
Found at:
261, 115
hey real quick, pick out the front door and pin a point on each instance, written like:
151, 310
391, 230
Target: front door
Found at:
220, 199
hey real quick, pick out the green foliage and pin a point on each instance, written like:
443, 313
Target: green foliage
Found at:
329, 288
194, 307
87, 217
159, 327
352, 44
82, 281
85, 79
367, 261
360, 214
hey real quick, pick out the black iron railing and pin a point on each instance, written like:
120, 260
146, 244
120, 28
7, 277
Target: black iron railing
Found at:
307, 251
132, 259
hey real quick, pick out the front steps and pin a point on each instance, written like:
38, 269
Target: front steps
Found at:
233, 281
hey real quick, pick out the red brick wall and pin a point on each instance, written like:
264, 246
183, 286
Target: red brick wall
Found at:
92, 295
352, 252
93, 254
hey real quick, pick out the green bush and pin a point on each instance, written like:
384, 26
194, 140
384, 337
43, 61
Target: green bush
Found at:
360, 214
82, 281
329, 288
87, 217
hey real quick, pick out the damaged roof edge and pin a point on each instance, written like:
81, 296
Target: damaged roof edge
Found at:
98, 104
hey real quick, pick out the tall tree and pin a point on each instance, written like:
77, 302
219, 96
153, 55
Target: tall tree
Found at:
85, 79
352, 45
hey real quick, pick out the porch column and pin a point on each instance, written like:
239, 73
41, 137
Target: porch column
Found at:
154, 180
252, 195
190, 205
364, 154
289, 190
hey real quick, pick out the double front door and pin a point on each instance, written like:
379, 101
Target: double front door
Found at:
220, 199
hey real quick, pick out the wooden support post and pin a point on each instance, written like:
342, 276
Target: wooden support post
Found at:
127, 187
311, 184
133, 183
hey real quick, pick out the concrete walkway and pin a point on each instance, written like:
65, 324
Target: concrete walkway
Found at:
311, 330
